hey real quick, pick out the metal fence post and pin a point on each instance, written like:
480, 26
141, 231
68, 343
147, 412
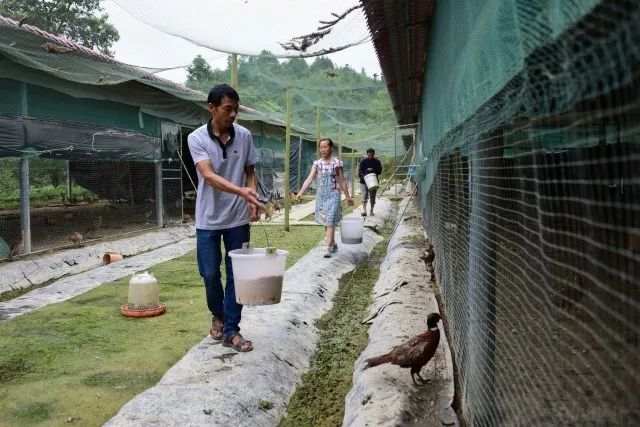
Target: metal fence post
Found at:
159, 195
25, 208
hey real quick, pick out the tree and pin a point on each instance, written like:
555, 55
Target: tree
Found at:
267, 60
296, 67
321, 63
199, 73
74, 19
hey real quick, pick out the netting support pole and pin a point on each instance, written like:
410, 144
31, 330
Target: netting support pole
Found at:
484, 169
299, 161
25, 208
287, 164
395, 158
234, 71
159, 197
317, 132
340, 142
68, 180
353, 160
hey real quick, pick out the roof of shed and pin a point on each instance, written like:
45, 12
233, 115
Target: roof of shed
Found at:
68, 60
399, 30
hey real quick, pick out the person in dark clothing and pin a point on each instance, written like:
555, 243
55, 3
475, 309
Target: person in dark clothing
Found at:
368, 165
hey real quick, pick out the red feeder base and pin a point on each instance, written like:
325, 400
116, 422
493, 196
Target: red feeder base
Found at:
146, 312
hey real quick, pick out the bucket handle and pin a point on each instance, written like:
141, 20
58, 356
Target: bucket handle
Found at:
271, 250
247, 247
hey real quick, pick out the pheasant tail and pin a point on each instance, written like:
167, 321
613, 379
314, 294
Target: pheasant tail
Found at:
378, 360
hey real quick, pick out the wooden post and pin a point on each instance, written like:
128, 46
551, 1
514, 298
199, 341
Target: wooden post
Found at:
353, 160
287, 165
395, 157
318, 132
68, 180
340, 142
25, 192
159, 194
234, 71
299, 161
25, 208
485, 168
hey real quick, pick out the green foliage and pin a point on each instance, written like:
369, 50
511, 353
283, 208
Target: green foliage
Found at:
199, 72
75, 19
47, 182
321, 63
202, 77
348, 98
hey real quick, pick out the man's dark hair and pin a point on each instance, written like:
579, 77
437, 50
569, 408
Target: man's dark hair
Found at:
218, 92
371, 151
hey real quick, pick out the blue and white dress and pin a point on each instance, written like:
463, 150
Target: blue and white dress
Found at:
328, 208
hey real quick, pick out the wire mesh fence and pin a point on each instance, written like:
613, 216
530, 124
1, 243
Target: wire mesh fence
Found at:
535, 217
57, 203
538, 258
73, 202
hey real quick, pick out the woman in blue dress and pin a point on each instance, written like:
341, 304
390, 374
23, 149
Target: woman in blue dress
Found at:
329, 172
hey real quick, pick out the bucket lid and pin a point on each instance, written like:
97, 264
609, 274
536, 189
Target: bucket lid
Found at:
145, 275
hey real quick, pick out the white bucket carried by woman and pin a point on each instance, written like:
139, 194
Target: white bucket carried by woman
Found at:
258, 274
371, 179
351, 229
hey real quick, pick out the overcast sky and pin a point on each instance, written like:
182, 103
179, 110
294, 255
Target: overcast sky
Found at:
145, 46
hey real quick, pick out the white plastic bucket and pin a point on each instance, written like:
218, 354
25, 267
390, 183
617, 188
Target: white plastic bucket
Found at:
258, 275
143, 291
351, 230
371, 179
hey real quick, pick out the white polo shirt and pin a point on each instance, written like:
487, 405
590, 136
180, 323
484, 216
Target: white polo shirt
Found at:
217, 209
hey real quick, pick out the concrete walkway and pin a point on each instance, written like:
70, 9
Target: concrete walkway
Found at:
36, 270
402, 299
69, 287
213, 385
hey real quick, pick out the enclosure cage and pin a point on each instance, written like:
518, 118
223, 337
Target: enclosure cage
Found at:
530, 194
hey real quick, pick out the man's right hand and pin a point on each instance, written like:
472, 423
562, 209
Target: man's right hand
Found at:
250, 195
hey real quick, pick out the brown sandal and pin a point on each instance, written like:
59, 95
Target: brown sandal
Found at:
217, 326
240, 346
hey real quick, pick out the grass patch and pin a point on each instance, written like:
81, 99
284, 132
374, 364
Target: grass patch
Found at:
45, 195
416, 240
82, 360
319, 400
33, 412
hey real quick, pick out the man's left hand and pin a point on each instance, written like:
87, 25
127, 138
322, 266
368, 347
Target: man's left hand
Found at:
349, 201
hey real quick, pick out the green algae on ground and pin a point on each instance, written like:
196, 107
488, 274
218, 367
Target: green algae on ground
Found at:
319, 399
80, 360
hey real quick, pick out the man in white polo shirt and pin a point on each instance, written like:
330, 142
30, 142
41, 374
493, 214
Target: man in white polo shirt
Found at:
224, 156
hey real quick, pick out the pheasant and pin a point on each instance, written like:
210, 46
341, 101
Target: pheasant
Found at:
76, 238
429, 254
17, 247
415, 353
